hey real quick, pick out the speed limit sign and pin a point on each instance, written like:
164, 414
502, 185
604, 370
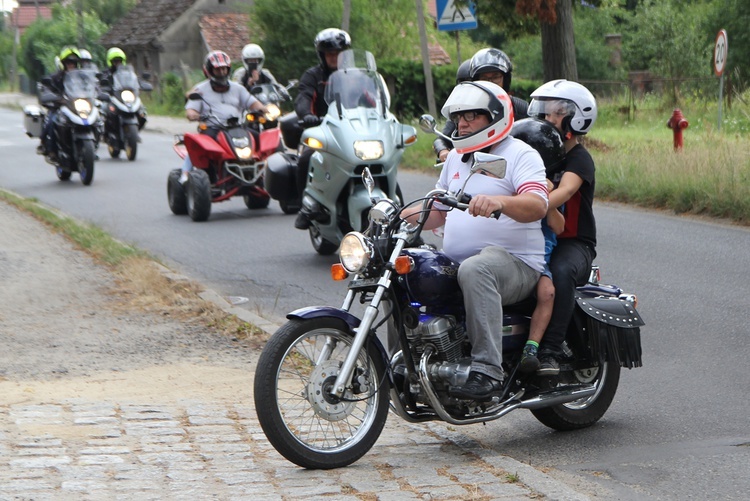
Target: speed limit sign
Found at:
720, 52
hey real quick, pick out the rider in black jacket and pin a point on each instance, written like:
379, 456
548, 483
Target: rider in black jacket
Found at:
310, 105
491, 65
69, 60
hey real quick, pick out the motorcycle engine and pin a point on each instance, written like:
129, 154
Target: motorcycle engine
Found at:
441, 332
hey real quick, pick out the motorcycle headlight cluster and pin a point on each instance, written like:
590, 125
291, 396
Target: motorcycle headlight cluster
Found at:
82, 107
127, 97
368, 150
242, 147
273, 112
355, 252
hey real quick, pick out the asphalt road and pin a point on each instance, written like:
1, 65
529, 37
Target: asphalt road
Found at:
678, 428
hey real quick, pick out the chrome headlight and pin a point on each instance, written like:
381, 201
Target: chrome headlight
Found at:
383, 212
368, 150
127, 97
82, 107
355, 252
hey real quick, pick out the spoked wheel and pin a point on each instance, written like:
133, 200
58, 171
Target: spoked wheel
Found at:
586, 411
303, 421
320, 244
86, 157
131, 141
176, 193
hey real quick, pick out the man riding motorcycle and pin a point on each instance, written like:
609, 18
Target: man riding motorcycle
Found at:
69, 59
252, 72
310, 105
220, 97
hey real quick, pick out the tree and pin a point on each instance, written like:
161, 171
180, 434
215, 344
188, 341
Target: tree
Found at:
108, 11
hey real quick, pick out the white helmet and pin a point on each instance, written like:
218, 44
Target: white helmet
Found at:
481, 96
252, 51
570, 98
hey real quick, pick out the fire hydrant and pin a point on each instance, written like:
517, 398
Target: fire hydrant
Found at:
677, 123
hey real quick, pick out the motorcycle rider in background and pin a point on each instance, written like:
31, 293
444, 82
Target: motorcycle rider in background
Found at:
87, 63
253, 73
310, 105
221, 98
69, 60
500, 259
115, 57
490, 65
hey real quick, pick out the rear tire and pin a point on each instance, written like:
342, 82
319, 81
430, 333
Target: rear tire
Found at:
131, 141
176, 193
62, 174
586, 411
198, 188
306, 424
289, 207
86, 157
256, 202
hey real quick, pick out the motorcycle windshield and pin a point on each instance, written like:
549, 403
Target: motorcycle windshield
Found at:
354, 88
80, 84
125, 79
265, 93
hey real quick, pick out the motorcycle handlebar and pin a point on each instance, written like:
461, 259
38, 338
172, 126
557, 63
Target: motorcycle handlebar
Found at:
462, 203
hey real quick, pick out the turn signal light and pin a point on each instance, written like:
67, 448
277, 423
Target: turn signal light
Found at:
338, 272
404, 265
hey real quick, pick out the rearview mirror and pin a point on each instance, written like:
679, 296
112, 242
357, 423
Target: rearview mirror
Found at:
427, 123
488, 164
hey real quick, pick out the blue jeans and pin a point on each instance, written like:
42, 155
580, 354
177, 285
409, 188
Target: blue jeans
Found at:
488, 280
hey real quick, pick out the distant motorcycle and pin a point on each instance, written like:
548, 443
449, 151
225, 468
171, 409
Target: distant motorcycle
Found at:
358, 131
74, 123
230, 165
125, 114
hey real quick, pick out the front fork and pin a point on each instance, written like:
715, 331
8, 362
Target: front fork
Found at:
363, 331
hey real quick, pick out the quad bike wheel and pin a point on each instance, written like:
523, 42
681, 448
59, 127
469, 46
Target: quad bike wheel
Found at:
198, 188
176, 193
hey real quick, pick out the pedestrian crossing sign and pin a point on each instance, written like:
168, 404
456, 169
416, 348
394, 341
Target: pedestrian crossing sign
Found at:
454, 15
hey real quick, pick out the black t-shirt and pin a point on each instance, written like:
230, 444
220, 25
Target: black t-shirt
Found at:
579, 211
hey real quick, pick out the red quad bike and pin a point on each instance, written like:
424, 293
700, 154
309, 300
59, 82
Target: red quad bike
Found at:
230, 165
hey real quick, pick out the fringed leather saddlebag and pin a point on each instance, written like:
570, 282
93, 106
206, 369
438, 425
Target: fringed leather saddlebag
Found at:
613, 328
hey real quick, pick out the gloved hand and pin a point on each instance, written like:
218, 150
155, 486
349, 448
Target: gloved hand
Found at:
311, 120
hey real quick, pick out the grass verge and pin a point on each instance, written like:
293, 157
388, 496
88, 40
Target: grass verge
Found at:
140, 285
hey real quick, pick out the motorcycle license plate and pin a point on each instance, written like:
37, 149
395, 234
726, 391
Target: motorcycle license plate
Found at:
363, 283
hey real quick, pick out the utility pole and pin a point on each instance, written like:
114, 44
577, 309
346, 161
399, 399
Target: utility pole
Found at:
81, 36
347, 14
426, 60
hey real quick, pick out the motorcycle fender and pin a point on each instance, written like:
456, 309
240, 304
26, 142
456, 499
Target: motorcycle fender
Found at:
310, 312
359, 202
353, 322
83, 135
269, 141
202, 149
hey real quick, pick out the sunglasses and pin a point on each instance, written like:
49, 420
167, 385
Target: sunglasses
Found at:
468, 116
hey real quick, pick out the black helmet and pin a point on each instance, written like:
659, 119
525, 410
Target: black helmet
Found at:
545, 139
330, 40
463, 74
486, 60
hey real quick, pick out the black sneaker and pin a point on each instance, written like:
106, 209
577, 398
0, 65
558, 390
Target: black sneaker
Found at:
478, 387
529, 362
548, 366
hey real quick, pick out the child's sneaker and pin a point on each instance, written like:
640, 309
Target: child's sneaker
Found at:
529, 362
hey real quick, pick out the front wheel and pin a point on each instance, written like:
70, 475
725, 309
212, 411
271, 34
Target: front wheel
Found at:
586, 411
289, 207
131, 141
198, 195
176, 193
86, 157
301, 418
320, 244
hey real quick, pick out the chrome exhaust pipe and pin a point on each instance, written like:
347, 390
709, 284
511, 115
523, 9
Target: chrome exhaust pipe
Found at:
558, 396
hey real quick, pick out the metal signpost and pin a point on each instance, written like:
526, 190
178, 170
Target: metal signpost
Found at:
720, 60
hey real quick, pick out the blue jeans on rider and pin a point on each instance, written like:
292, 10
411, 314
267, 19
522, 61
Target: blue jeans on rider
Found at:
571, 265
488, 280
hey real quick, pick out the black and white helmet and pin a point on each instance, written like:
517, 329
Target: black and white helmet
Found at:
331, 40
491, 60
250, 53
572, 99
484, 97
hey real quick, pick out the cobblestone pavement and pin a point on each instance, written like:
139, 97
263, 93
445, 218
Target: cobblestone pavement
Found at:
199, 450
